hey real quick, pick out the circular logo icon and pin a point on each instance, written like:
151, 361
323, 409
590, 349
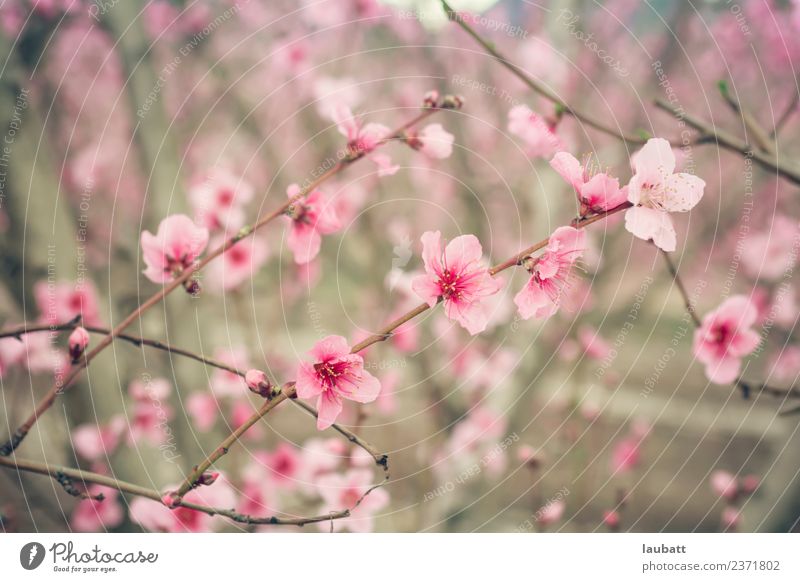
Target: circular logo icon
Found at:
31, 555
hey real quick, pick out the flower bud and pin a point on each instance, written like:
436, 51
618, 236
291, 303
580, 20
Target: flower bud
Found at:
452, 102
78, 340
192, 286
749, 484
431, 99
611, 519
258, 383
207, 478
171, 499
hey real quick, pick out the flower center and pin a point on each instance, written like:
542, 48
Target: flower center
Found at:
450, 284
331, 372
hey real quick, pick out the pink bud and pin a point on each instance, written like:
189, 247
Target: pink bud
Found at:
258, 383
431, 99
611, 519
171, 500
527, 454
724, 484
731, 518
78, 340
750, 483
208, 478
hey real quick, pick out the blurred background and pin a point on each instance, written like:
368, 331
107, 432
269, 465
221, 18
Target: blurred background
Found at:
118, 114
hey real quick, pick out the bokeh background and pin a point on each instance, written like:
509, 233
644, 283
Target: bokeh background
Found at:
115, 115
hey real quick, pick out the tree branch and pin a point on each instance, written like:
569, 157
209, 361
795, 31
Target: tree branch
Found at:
59, 473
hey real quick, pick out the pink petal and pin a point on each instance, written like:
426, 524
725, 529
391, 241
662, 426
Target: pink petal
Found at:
307, 382
569, 168
332, 346
648, 223
461, 252
655, 160
432, 251
684, 192
723, 371
427, 288
368, 388
328, 407
304, 242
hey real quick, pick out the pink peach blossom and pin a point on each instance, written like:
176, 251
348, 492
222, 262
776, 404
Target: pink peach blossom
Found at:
458, 278
725, 337
551, 513
241, 412
731, 518
655, 190
311, 217
238, 264
60, 302
611, 519
539, 136
94, 442
599, 191
91, 515
344, 492
362, 141
12, 352
40, 355
626, 455
283, 465
433, 141
550, 273
724, 485
151, 412
319, 457
204, 409
595, 347
218, 200
175, 247
228, 384
336, 374
768, 255
786, 365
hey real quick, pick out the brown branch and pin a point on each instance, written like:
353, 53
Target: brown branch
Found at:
709, 134
58, 388
687, 301
786, 115
59, 473
191, 480
535, 85
752, 127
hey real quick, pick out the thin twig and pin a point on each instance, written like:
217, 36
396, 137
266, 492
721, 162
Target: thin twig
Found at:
687, 301
535, 85
57, 473
724, 139
786, 115
752, 127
